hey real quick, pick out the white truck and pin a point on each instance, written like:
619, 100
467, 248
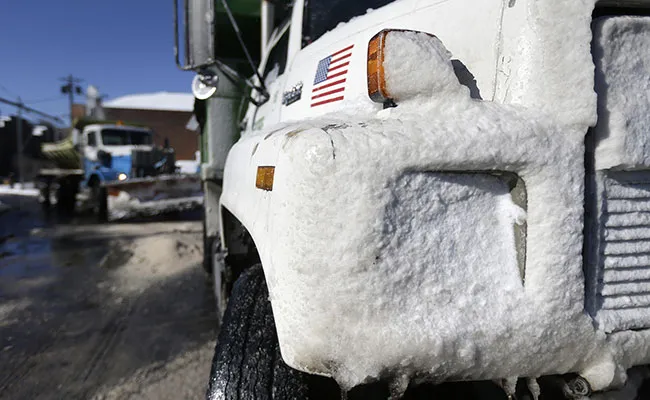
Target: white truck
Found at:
431, 191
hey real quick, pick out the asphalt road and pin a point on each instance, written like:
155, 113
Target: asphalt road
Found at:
113, 311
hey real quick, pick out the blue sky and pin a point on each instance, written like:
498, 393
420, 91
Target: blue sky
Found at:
120, 46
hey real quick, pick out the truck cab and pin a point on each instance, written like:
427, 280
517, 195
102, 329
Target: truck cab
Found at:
107, 150
436, 191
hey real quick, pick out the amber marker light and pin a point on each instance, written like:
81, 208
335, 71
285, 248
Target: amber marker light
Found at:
376, 77
377, 88
264, 178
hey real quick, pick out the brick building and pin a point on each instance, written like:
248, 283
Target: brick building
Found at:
166, 113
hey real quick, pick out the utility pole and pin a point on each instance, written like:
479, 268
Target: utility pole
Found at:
19, 140
71, 87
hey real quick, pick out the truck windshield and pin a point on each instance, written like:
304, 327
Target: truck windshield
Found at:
122, 137
324, 15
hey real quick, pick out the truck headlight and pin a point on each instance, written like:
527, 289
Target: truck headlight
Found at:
122, 176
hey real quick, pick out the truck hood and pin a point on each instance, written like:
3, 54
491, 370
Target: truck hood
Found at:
124, 150
121, 164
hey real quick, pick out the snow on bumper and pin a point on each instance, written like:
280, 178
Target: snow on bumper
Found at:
389, 246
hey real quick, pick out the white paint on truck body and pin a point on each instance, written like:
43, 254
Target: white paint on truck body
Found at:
387, 241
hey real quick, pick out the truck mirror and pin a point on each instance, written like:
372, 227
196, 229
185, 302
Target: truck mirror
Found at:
198, 31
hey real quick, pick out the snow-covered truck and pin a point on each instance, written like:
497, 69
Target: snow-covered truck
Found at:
115, 169
431, 191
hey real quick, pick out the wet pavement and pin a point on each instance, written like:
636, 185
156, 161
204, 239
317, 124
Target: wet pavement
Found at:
119, 310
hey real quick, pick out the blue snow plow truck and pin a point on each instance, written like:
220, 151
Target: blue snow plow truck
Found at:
115, 170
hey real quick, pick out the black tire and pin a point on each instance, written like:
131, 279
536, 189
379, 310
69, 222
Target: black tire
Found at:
100, 202
247, 362
66, 197
102, 215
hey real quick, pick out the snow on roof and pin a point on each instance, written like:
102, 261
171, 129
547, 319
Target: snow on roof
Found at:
154, 101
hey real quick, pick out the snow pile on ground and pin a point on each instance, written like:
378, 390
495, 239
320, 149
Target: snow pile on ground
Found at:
142, 257
158, 250
26, 189
622, 51
154, 101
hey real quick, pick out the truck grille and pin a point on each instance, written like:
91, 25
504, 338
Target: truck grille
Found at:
144, 162
624, 282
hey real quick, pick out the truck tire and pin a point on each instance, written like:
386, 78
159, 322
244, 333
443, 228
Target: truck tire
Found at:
102, 215
100, 202
247, 364
66, 197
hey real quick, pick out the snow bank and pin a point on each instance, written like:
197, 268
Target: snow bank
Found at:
188, 166
27, 189
158, 251
622, 51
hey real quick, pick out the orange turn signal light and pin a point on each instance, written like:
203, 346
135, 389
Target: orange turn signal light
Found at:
376, 76
264, 178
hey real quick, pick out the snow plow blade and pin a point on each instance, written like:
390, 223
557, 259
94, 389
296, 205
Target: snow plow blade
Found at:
153, 195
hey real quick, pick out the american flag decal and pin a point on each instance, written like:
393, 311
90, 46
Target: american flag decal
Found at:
329, 82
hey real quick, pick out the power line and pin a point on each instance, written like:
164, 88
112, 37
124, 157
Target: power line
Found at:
8, 91
20, 105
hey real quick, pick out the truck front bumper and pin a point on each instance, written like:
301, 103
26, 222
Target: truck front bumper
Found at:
153, 195
390, 247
